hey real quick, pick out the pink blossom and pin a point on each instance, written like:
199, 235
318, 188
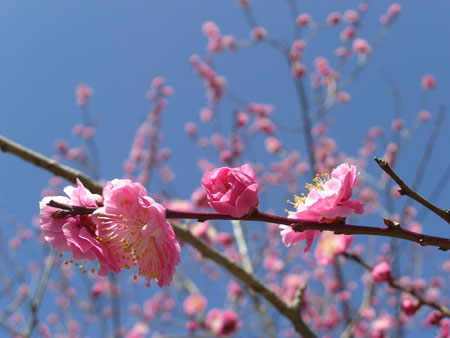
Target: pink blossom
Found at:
273, 145
222, 322
398, 124
331, 245
194, 304
343, 97
394, 9
258, 33
410, 307
199, 198
232, 191
428, 81
83, 93
348, 33
241, 120
298, 70
75, 234
135, 229
361, 46
334, 18
351, 16
328, 201
304, 19
382, 272
425, 116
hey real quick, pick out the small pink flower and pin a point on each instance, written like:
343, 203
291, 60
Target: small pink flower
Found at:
273, 145
410, 307
351, 16
394, 9
135, 229
361, 46
222, 322
328, 201
83, 93
425, 116
258, 33
381, 272
232, 191
331, 245
398, 124
334, 18
298, 70
304, 19
75, 234
194, 304
241, 120
428, 81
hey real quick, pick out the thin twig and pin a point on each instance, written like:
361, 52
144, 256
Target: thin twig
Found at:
39, 294
406, 190
405, 288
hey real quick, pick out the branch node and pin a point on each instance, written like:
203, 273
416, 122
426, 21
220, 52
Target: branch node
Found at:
298, 227
391, 224
423, 242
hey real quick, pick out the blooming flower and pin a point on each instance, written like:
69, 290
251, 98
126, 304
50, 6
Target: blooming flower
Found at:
232, 191
133, 226
194, 304
222, 323
328, 201
75, 234
331, 245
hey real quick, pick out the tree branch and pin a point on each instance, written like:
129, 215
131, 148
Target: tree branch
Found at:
406, 190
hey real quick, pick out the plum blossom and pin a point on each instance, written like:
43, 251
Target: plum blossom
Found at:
75, 234
135, 229
194, 304
382, 272
328, 201
232, 191
331, 245
222, 322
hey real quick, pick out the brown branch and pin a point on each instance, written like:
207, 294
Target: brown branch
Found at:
48, 164
254, 283
35, 304
406, 190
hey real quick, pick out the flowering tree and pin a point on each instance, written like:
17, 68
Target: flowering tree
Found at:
226, 258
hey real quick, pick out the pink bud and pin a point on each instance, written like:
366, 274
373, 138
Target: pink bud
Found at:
425, 116
191, 129
334, 18
258, 33
361, 46
206, 114
410, 307
428, 81
241, 120
397, 124
351, 16
232, 191
382, 272
298, 70
303, 19
273, 145
394, 9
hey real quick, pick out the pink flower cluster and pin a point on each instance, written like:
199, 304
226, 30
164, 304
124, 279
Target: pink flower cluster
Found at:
328, 201
129, 231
